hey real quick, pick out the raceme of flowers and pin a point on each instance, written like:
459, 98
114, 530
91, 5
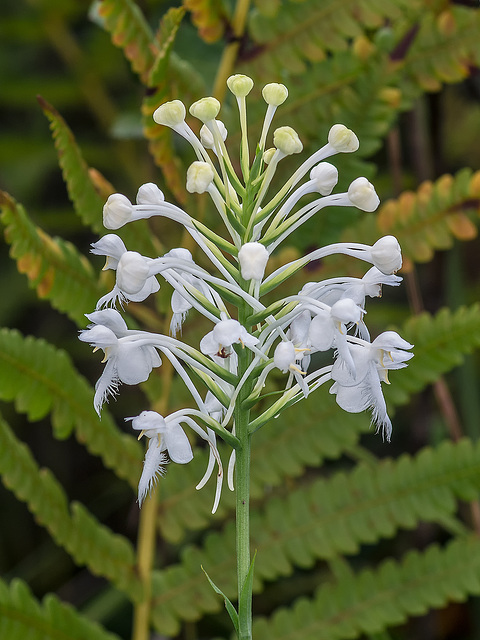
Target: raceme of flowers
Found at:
242, 349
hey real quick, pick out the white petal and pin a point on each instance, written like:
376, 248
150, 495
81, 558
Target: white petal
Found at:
322, 331
177, 444
133, 366
153, 466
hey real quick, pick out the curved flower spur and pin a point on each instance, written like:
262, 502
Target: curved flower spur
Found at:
244, 346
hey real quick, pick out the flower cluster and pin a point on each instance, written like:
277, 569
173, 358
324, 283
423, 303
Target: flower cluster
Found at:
262, 335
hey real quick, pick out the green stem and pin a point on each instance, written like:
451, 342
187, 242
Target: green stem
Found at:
242, 490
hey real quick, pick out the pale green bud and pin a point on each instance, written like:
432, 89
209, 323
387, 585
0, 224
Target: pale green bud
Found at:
362, 194
199, 177
170, 114
240, 85
268, 155
342, 139
275, 94
205, 109
287, 141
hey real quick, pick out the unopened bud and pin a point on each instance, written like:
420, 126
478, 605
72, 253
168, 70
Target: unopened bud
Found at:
205, 109
362, 194
253, 258
325, 176
132, 272
199, 177
275, 94
268, 155
240, 85
117, 211
342, 139
287, 141
206, 136
170, 114
387, 255
345, 310
149, 193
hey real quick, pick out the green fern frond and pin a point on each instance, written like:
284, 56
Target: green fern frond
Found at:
87, 189
22, 616
374, 600
81, 190
129, 30
88, 542
327, 518
209, 17
307, 31
445, 48
278, 452
40, 379
54, 267
441, 342
162, 77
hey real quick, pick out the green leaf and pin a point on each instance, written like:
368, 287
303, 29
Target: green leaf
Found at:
232, 612
74, 528
54, 267
42, 379
245, 601
22, 616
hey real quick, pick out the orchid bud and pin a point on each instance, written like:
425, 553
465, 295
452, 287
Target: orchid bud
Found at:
268, 155
132, 272
325, 176
170, 114
180, 254
275, 94
206, 136
149, 193
199, 177
342, 139
253, 258
117, 211
226, 332
205, 109
284, 356
287, 141
387, 255
240, 85
362, 194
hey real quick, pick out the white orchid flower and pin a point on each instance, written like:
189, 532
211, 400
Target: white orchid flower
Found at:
225, 333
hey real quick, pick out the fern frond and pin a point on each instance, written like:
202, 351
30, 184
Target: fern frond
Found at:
22, 616
209, 17
161, 77
324, 519
433, 216
88, 542
441, 342
374, 600
307, 31
129, 30
81, 190
54, 267
444, 50
278, 452
40, 379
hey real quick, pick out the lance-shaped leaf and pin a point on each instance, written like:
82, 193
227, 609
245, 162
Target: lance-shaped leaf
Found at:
54, 267
23, 616
71, 526
42, 379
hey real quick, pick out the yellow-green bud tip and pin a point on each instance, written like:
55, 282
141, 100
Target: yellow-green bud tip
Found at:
342, 139
199, 177
240, 85
205, 109
275, 94
287, 141
170, 114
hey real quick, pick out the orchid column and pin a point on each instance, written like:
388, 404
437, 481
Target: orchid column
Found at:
250, 339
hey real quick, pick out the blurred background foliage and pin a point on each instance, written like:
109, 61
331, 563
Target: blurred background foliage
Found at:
404, 76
